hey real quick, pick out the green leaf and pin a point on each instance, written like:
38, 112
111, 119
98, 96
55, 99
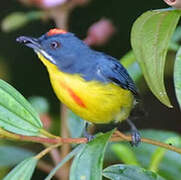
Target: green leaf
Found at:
23, 171
88, 163
150, 38
16, 114
40, 104
130, 63
177, 76
17, 20
125, 154
175, 41
159, 153
129, 172
75, 124
10, 155
67, 158
169, 167
14, 21
132, 66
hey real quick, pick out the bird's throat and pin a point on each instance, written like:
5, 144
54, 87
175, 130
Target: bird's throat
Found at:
53, 69
46, 62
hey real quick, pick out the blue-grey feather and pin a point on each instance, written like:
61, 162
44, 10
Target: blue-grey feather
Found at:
75, 57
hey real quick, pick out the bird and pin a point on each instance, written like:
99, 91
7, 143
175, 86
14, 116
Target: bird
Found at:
94, 85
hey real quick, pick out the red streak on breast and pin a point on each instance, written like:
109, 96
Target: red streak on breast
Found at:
75, 97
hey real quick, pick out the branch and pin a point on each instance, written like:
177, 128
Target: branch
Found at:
123, 137
47, 150
117, 136
43, 140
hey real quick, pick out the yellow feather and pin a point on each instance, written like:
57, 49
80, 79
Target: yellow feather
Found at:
104, 102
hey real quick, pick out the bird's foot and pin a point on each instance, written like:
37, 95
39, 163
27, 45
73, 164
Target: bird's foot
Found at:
89, 137
86, 134
136, 137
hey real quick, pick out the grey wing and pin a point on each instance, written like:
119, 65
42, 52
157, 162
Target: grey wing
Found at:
111, 70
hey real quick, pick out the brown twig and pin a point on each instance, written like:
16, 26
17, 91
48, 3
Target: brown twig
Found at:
47, 150
43, 140
145, 140
118, 136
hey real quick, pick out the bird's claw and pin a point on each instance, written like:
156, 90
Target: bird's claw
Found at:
86, 134
90, 137
136, 138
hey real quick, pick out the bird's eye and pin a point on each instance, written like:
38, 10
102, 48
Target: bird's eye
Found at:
55, 45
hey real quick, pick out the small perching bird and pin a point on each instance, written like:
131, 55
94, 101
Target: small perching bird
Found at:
93, 85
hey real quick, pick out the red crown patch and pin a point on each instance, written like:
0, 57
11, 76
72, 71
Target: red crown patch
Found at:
56, 31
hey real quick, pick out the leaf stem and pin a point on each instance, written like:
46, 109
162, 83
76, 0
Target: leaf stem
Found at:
47, 134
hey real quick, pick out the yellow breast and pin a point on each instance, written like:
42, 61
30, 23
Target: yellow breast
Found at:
93, 101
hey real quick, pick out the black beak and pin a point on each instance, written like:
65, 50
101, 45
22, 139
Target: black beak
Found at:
35, 45
30, 42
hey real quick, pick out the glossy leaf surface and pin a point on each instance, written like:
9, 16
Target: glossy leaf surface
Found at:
11, 155
125, 154
129, 172
177, 76
145, 152
150, 37
23, 171
16, 113
88, 163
